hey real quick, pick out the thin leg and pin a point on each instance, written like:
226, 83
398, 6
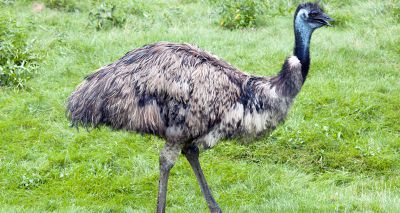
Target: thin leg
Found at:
168, 157
192, 155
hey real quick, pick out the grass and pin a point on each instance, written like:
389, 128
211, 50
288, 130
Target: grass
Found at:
337, 151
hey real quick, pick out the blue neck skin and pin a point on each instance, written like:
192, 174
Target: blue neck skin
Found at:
302, 33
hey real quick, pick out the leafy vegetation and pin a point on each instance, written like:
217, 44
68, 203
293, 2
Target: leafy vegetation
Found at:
66, 5
394, 7
106, 16
7, 2
238, 14
338, 150
18, 59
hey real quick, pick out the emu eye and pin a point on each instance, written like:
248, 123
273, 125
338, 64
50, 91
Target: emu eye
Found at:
313, 13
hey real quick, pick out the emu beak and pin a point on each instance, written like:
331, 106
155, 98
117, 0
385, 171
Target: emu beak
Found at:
325, 19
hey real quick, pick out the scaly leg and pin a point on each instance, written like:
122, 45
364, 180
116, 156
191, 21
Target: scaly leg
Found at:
168, 156
192, 155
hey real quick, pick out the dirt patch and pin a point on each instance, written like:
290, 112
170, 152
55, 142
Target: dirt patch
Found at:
38, 7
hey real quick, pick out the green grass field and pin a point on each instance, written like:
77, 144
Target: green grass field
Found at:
338, 151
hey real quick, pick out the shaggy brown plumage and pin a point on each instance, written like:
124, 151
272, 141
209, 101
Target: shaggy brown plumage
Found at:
191, 98
165, 87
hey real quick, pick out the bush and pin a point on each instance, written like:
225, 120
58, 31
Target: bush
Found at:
66, 5
238, 14
18, 61
105, 16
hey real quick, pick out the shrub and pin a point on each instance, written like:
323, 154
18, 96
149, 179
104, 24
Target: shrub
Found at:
238, 14
66, 5
18, 61
105, 16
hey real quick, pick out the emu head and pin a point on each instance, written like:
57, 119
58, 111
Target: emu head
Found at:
310, 16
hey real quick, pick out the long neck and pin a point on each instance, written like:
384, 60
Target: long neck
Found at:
302, 45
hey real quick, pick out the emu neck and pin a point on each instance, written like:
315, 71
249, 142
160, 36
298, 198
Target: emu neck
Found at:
302, 45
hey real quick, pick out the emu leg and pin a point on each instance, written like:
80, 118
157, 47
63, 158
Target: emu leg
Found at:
192, 155
168, 156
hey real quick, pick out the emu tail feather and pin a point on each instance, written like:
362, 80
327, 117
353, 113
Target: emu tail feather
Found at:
112, 97
84, 106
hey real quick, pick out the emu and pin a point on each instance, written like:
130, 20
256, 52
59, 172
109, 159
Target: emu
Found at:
191, 98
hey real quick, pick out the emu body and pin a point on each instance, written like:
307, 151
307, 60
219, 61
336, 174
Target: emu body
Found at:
177, 91
191, 98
